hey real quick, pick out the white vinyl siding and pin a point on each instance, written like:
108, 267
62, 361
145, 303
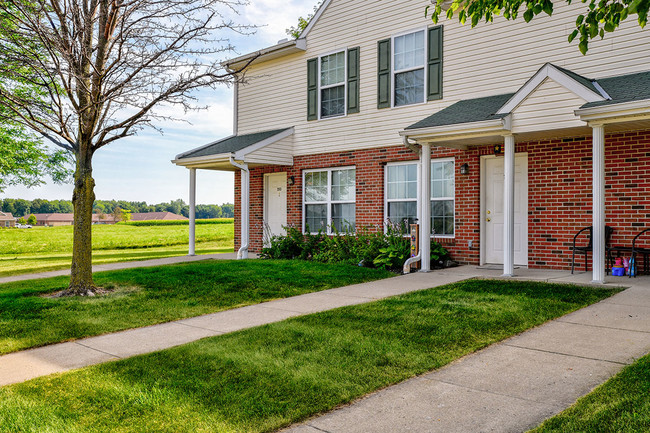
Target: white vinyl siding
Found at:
329, 197
274, 94
408, 68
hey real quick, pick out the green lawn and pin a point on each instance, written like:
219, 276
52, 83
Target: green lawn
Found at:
620, 405
146, 296
261, 379
50, 248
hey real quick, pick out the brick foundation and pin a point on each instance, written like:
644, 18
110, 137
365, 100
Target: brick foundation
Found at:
559, 192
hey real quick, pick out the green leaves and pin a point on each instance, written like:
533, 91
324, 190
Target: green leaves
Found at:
600, 16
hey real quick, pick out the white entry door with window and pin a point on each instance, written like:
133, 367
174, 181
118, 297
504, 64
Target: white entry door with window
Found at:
492, 184
275, 203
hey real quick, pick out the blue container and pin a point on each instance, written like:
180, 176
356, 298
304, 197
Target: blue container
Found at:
618, 272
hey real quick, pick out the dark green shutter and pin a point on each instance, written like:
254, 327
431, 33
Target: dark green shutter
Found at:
312, 89
383, 74
434, 64
353, 80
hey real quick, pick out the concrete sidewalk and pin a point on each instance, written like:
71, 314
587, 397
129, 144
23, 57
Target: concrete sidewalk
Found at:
56, 358
514, 385
507, 387
123, 265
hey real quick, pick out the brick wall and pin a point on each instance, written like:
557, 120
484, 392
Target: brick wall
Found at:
559, 192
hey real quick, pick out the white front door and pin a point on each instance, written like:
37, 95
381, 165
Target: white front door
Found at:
492, 179
275, 204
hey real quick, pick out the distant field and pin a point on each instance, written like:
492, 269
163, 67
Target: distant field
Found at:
49, 248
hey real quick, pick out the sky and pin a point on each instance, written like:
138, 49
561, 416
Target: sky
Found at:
139, 168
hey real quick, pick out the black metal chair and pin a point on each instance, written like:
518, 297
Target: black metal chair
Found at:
645, 252
586, 249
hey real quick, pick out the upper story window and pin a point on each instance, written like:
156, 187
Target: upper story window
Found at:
329, 200
332, 85
408, 70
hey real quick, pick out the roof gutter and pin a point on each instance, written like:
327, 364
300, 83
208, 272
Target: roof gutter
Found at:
614, 113
279, 50
459, 131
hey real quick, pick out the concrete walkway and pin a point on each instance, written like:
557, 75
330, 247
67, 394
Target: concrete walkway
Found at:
508, 387
123, 265
514, 385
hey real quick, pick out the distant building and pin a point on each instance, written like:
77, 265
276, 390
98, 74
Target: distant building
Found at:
7, 220
67, 219
157, 216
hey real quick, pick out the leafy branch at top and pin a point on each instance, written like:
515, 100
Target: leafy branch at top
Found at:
295, 32
601, 16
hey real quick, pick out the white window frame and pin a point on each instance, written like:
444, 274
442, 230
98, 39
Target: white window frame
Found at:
393, 72
431, 199
453, 198
329, 202
387, 200
345, 84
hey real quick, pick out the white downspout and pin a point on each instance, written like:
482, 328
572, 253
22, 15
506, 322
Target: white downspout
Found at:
245, 206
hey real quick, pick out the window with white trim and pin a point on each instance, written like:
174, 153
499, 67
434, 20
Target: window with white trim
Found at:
401, 195
332, 85
409, 60
329, 200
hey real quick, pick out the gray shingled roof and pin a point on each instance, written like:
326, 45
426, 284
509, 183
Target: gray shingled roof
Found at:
466, 111
230, 144
587, 82
624, 88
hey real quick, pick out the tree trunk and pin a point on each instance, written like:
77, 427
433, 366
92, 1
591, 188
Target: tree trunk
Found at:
81, 272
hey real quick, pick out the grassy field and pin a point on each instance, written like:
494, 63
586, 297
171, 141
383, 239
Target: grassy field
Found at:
147, 296
49, 248
620, 405
261, 379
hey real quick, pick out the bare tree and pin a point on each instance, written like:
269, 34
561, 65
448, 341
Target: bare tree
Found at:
103, 69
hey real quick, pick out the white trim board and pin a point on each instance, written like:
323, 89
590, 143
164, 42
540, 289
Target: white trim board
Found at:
552, 72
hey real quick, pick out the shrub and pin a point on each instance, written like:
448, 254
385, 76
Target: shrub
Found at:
367, 246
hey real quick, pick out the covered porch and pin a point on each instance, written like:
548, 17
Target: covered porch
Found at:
237, 153
554, 103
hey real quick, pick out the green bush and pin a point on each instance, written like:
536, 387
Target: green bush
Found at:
177, 222
368, 246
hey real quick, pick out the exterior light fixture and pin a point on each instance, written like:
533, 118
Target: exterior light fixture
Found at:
291, 180
497, 149
464, 169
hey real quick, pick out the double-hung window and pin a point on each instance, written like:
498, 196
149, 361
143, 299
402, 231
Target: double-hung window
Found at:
409, 59
329, 200
401, 195
332, 85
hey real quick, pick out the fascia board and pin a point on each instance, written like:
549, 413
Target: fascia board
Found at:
241, 154
633, 110
186, 162
550, 71
488, 127
278, 50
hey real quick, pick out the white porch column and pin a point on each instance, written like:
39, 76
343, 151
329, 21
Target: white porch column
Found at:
425, 208
192, 250
598, 197
509, 206
245, 211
